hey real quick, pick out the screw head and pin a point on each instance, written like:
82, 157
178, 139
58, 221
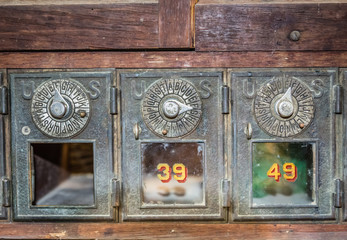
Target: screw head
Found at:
164, 132
301, 125
294, 35
83, 114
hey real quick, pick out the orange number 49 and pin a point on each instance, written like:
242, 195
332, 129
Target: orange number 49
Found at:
289, 168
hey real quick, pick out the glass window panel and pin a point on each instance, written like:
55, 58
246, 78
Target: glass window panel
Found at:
62, 174
283, 173
172, 173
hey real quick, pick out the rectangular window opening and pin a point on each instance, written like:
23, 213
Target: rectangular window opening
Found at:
283, 174
172, 173
62, 174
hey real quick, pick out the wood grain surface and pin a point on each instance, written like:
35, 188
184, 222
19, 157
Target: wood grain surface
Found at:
172, 231
171, 59
266, 27
66, 27
175, 23
165, 24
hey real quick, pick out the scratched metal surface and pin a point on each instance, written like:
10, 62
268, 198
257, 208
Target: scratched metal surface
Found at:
98, 131
246, 84
135, 85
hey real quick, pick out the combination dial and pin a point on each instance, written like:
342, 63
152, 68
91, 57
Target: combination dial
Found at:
284, 107
60, 108
171, 108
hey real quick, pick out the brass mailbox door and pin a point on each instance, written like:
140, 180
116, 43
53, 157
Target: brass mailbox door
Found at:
283, 143
61, 131
4, 200
172, 144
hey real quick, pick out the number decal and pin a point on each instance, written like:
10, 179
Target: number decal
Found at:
181, 172
274, 172
291, 169
165, 176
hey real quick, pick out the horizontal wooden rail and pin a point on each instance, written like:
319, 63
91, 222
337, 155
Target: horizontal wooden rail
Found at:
134, 25
229, 26
167, 59
172, 231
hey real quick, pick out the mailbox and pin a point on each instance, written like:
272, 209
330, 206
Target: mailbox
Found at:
172, 144
61, 138
284, 143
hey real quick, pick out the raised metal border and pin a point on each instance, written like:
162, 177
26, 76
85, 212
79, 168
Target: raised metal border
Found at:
3, 211
314, 184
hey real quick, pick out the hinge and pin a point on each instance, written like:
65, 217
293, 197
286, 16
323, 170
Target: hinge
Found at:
115, 195
3, 100
113, 101
226, 193
339, 194
225, 100
6, 192
338, 92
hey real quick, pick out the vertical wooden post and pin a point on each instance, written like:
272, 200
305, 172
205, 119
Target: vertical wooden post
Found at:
176, 23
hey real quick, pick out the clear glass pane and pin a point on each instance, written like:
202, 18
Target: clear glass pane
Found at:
62, 174
172, 173
283, 173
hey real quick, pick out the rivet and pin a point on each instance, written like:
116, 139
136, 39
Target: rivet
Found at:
301, 125
82, 114
164, 132
294, 35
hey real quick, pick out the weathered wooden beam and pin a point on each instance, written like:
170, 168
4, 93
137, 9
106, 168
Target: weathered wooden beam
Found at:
171, 59
228, 26
67, 27
147, 25
171, 230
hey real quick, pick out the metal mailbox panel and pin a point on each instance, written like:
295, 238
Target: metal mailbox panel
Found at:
172, 144
3, 212
52, 109
283, 143
343, 150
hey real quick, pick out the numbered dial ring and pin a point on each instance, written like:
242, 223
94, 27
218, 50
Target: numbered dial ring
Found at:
284, 107
171, 108
60, 108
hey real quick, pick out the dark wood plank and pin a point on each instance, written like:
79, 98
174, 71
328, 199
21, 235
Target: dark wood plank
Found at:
172, 231
175, 23
68, 27
266, 27
168, 59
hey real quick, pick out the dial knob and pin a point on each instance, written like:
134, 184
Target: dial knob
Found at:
170, 109
284, 106
59, 106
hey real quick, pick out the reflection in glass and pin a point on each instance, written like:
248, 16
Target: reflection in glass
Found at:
62, 174
266, 157
172, 173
